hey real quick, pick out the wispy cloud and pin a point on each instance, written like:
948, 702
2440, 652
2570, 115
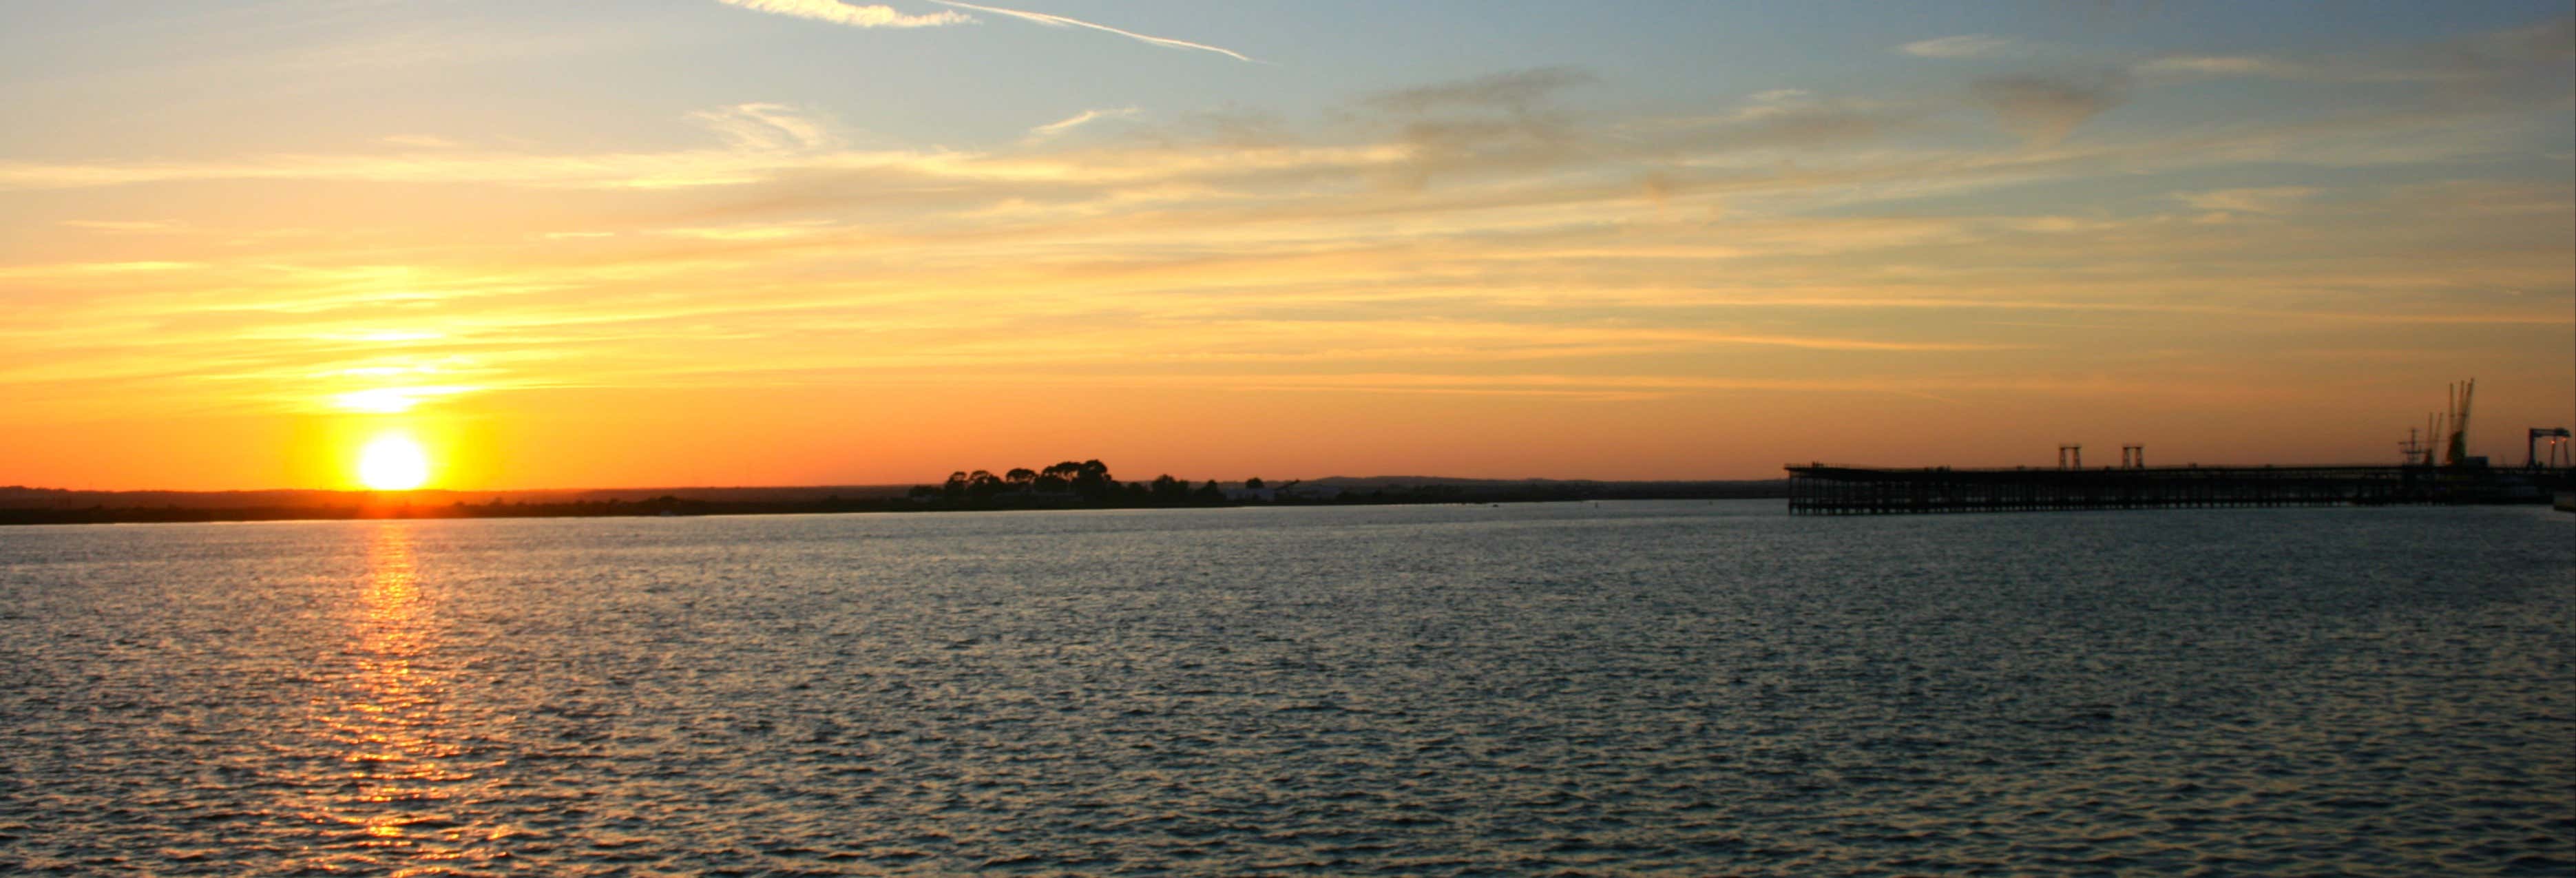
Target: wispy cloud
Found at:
2218, 65
74, 269
838, 12
2474, 58
1961, 46
2045, 109
1062, 21
1513, 90
766, 127
389, 400
121, 226
2265, 199
1077, 120
1503, 121
750, 232
878, 15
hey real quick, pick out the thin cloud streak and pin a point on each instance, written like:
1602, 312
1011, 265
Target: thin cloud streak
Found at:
1061, 21
2482, 57
1077, 120
840, 13
1961, 46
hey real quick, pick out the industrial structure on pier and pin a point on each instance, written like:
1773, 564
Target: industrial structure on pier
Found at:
2437, 469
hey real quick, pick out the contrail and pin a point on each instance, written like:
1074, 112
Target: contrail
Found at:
838, 12
1061, 21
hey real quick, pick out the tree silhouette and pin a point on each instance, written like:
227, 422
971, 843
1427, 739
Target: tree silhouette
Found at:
1091, 480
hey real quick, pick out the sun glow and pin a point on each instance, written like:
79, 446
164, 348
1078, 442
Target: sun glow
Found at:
393, 462
393, 400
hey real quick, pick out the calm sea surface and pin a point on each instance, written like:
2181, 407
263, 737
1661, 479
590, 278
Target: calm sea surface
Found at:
1628, 688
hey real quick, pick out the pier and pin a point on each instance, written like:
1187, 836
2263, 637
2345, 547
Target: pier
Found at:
1830, 489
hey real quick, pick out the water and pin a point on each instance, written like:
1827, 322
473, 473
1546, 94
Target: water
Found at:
1632, 688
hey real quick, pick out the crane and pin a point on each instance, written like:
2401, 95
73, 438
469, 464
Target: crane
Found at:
2457, 453
2557, 437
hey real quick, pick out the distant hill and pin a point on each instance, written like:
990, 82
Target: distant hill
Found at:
25, 505
21, 497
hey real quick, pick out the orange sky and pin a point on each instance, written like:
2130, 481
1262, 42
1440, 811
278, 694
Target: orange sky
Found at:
227, 263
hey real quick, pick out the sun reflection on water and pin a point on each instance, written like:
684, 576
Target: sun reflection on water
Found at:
401, 772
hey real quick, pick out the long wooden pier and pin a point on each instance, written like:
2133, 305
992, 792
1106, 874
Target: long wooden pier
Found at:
1829, 489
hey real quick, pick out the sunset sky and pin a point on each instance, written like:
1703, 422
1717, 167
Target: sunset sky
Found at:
747, 242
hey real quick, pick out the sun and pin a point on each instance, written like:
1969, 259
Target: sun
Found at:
393, 462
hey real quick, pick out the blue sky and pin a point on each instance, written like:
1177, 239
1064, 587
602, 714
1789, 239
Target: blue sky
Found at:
96, 77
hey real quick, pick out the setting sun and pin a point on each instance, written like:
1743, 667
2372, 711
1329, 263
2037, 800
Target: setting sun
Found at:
393, 462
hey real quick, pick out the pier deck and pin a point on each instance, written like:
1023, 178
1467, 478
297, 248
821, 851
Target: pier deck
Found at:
1827, 489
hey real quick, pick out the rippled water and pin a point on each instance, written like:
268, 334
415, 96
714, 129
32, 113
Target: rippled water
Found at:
1629, 688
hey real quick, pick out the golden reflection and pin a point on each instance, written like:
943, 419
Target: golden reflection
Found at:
400, 774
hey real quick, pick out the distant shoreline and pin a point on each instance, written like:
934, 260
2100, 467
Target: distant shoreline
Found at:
25, 506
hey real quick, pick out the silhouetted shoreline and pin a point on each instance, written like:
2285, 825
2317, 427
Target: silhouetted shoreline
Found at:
21, 505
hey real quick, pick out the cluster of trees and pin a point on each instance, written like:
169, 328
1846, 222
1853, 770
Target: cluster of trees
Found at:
1088, 480
1166, 490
